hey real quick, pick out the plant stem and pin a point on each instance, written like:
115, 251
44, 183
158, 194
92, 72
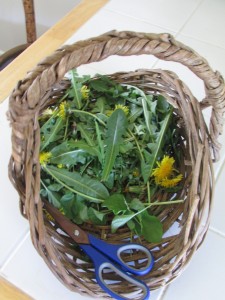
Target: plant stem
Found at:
164, 203
77, 96
160, 140
89, 114
148, 192
86, 166
157, 203
100, 142
146, 112
129, 139
44, 185
138, 146
66, 129
56, 128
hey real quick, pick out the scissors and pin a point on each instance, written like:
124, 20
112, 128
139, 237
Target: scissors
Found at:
106, 256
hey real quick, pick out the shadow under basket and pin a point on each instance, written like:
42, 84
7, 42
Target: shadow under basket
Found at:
185, 225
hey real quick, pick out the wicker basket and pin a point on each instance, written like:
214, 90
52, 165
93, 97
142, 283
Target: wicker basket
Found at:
182, 224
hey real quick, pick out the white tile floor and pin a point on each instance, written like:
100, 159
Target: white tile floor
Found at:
197, 23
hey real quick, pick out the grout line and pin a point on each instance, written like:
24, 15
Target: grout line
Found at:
180, 30
139, 20
174, 32
164, 292
216, 231
194, 38
201, 40
14, 251
155, 63
219, 170
189, 17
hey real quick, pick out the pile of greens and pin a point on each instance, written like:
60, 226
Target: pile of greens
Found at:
106, 150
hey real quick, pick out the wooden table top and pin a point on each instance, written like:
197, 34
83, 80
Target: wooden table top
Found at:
46, 44
17, 70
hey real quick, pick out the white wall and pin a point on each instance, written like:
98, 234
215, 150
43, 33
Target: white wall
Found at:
12, 25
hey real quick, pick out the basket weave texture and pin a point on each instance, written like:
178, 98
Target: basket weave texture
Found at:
182, 223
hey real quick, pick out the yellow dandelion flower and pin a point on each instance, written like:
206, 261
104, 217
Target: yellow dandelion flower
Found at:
164, 168
85, 92
164, 173
124, 108
136, 173
109, 112
62, 110
171, 182
60, 166
44, 157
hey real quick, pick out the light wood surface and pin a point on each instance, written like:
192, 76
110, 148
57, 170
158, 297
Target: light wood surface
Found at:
9, 292
46, 44
15, 71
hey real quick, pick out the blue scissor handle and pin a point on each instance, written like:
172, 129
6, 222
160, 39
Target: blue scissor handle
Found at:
101, 262
114, 252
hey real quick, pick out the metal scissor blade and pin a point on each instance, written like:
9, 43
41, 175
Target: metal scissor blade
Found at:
74, 231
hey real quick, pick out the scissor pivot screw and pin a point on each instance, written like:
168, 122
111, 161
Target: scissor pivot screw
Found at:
76, 232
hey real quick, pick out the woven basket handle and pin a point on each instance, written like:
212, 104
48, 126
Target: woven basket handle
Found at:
163, 46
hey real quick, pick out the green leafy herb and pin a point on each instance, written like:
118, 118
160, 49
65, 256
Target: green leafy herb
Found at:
116, 203
119, 221
52, 134
108, 153
85, 186
76, 88
116, 127
151, 228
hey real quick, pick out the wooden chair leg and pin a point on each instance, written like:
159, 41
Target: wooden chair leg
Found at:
29, 12
11, 54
